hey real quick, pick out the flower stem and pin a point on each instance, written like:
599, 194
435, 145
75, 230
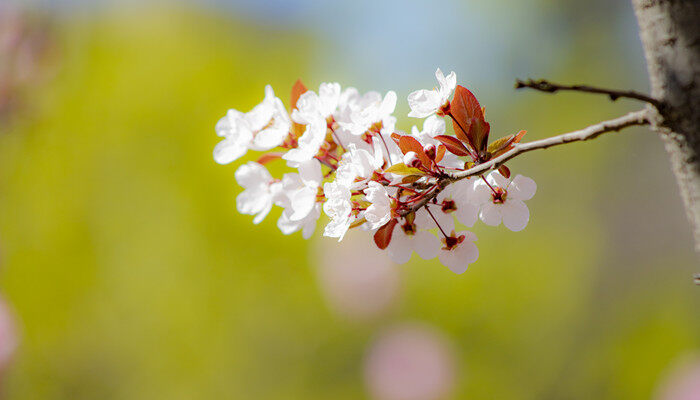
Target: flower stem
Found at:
436, 223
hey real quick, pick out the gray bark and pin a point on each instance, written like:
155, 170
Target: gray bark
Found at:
670, 33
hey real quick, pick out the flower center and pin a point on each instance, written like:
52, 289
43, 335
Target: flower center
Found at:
451, 242
449, 206
409, 228
499, 195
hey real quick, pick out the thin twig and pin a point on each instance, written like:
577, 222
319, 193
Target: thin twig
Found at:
550, 87
590, 132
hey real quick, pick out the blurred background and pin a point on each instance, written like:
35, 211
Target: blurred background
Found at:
126, 272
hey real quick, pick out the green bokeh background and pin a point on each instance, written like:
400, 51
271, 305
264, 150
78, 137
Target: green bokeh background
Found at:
133, 277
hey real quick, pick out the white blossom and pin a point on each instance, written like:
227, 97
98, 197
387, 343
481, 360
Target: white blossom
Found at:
307, 225
339, 208
459, 200
426, 102
506, 204
260, 190
458, 257
407, 238
263, 128
379, 212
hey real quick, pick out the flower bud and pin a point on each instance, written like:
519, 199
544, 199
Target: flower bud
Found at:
411, 160
430, 151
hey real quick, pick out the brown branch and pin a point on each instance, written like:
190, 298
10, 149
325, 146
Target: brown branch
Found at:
551, 87
588, 133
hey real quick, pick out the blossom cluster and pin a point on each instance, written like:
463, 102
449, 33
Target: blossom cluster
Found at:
347, 159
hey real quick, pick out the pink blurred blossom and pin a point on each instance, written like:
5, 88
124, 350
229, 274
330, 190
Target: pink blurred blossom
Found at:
410, 362
357, 280
8, 335
682, 381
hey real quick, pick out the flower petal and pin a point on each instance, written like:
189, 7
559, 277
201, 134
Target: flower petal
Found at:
522, 188
515, 215
426, 245
490, 214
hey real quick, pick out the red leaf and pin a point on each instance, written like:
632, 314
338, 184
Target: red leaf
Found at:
468, 119
505, 171
440, 153
267, 157
453, 145
408, 143
519, 136
479, 133
297, 90
382, 237
502, 145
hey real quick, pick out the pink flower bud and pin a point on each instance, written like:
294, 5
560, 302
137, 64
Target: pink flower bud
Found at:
411, 160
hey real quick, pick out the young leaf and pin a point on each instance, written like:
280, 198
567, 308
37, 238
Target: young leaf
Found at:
468, 119
358, 222
479, 134
408, 143
382, 237
267, 157
403, 169
440, 153
505, 171
500, 144
410, 178
453, 145
504, 144
467, 104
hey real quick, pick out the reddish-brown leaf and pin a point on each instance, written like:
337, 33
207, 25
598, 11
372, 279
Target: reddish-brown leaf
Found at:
409, 143
502, 145
505, 171
440, 153
267, 157
467, 103
382, 237
479, 134
519, 136
453, 145
297, 90
468, 119
395, 137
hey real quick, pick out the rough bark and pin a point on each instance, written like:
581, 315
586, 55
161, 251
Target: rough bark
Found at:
670, 33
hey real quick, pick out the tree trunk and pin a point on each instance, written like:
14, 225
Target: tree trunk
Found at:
670, 33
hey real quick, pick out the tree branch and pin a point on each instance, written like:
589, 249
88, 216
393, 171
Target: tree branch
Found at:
551, 87
588, 133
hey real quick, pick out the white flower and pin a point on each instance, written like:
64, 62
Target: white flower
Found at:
407, 238
426, 102
358, 163
506, 204
299, 194
309, 143
307, 225
459, 200
339, 208
260, 190
425, 220
312, 106
263, 128
233, 127
459, 251
379, 212
432, 126
368, 110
